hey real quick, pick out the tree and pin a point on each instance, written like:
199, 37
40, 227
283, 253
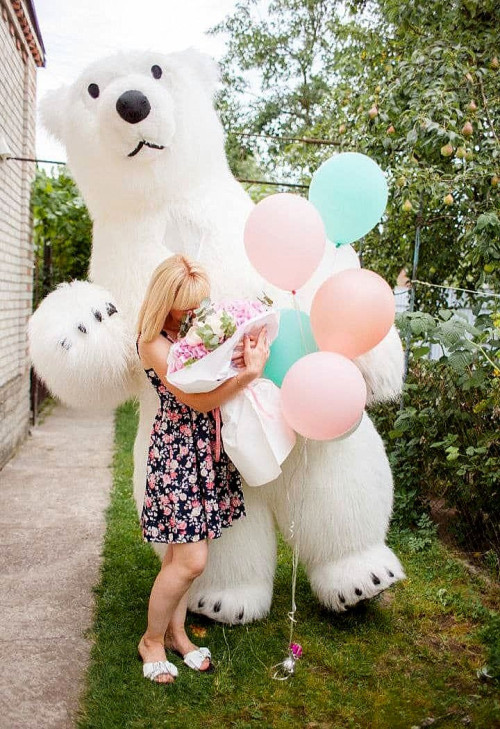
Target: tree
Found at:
62, 232
413, 85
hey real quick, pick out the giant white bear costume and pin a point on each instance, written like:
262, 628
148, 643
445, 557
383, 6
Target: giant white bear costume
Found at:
146, 150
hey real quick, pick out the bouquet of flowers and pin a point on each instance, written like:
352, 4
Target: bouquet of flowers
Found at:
206, 328
254, 432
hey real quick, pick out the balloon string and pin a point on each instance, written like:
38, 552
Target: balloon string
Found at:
282, 673
291, 614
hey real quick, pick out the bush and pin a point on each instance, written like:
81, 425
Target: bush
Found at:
443, 441
62, 232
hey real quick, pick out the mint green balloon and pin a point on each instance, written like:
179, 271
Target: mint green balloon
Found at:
350, 192
290, 345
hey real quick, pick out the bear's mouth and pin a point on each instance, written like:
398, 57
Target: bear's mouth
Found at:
142, 144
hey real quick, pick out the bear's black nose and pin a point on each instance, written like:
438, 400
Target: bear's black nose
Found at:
133, 106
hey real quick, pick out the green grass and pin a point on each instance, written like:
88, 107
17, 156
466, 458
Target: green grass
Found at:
392, 663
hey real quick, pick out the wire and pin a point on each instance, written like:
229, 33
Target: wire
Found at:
304, 140
251, 182
453, 288
267, 182
42, 161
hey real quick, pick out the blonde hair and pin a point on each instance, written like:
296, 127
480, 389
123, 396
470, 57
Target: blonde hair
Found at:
177, 283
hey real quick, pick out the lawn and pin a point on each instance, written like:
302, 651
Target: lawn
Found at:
407, 659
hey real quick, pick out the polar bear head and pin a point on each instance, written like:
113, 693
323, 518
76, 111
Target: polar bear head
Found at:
139, 127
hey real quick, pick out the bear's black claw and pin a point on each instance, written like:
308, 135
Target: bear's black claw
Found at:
111, 308
358, 591
240, 615
201, 603
375, 579
217, 606
97, 314
341, 597
82, 328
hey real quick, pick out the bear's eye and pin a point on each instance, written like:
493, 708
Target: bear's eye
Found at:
93, 90
156, 71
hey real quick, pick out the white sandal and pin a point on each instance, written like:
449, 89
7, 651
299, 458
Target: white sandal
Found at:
195, 658
156, 668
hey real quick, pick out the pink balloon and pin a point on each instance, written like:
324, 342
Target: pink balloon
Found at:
285, 239
351, 312
323, 395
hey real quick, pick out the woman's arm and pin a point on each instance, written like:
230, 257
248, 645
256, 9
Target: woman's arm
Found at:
154, 354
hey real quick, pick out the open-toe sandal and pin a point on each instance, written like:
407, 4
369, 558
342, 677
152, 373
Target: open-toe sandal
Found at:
194, 659
153, 669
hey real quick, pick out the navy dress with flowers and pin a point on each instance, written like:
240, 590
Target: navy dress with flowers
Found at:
189, 495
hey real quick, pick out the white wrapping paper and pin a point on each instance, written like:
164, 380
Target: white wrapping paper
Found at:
255, 435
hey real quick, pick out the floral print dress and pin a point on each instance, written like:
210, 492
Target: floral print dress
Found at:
189, 495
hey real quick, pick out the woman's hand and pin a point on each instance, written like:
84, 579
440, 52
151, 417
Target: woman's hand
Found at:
255, 357
238, 359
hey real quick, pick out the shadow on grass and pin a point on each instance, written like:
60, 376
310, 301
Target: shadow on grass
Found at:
393, 662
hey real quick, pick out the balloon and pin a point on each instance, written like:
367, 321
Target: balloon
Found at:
350, 191
285, 239
323, 395
352, 311
295, 339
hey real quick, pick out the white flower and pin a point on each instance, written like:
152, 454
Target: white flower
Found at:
192, 338
214, 322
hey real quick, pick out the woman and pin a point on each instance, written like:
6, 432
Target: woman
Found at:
190, 497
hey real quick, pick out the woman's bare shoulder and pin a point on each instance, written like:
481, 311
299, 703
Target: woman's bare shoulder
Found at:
150, 351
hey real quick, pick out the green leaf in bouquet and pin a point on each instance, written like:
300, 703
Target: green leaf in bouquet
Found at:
186, 323
205, 309
264, 299
228, 324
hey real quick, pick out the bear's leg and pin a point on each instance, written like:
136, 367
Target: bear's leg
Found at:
237, 584
338, 495
360, 576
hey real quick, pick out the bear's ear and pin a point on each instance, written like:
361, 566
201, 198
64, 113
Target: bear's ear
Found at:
53, 111
205, 67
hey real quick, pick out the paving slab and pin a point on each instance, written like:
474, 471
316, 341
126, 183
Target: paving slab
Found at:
53, 497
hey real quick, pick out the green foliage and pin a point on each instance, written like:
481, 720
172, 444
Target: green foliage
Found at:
62, 232
490, 634
443, 443
399, 82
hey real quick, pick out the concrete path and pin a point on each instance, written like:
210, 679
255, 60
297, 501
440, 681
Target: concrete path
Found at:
53, 495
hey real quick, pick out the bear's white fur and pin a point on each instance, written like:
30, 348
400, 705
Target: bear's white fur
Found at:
334, 499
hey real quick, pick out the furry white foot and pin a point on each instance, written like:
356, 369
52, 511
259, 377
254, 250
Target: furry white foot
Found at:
81, 346
231, 605
354, 578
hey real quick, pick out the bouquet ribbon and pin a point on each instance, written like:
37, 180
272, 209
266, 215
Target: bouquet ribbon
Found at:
216, 413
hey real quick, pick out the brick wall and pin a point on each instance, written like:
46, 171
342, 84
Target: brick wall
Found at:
17, 125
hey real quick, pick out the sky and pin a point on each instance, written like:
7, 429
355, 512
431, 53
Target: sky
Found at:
77, 32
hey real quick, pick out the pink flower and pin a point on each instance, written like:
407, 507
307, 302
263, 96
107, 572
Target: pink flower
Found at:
239, 310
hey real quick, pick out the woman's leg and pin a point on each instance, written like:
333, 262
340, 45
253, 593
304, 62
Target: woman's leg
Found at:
175, 635
181, 564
